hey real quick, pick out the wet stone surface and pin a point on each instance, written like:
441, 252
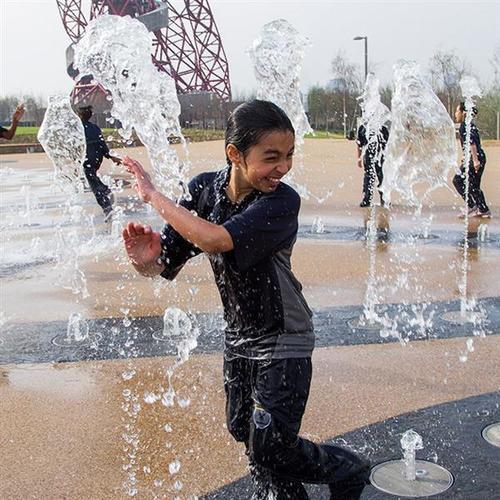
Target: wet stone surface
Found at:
452, 439
436, 237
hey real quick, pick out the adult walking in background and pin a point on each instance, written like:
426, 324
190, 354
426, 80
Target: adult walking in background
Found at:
476, 201
97, 150
371, 158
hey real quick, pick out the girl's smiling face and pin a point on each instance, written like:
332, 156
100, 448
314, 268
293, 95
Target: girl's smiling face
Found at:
266, 162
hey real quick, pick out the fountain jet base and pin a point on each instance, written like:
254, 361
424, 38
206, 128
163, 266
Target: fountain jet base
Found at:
64, 341
431, 479
459, 318
491, 434
364, 324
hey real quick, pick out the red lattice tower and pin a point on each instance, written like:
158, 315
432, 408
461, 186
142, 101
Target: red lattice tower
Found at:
189, 49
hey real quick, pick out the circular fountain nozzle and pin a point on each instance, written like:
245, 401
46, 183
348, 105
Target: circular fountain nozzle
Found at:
431, 479
491, 434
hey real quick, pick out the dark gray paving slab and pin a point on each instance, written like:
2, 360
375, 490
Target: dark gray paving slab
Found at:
451, 434
114, 338
434, 237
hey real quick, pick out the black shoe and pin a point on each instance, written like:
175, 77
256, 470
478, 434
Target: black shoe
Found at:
364, 203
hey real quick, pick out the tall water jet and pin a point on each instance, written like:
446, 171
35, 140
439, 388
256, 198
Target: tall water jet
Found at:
421, 151
375, 116
470, 90
277, 55
63, 138
116, 51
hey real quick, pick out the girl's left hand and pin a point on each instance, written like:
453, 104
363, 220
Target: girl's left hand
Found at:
143, 184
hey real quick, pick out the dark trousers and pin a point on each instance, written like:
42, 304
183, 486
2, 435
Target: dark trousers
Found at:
100, 190
476, 195
265, 402
372, 174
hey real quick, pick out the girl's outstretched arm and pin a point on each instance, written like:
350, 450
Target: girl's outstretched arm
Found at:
208, 237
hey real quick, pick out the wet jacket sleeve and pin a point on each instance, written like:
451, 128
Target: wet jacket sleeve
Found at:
361, 137
175, 250
267, 225
102, 145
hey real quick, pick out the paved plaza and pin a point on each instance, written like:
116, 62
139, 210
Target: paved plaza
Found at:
64, 407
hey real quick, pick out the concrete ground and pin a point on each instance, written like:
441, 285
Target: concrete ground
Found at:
70, 420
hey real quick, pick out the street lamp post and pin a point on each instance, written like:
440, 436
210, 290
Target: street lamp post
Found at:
365, 38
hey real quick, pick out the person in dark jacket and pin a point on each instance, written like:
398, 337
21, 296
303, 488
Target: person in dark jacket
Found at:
476, 163
97, 150
245, 218
9, 133
370, 155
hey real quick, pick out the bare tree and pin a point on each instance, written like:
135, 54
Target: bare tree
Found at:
495, 62
347, 71
446, 70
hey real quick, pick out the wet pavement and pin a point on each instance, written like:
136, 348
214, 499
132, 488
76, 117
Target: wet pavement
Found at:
67, 408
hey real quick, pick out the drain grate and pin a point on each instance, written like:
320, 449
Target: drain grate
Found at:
431, 479
491, 433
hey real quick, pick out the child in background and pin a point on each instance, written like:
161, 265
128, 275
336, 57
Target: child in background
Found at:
97, 149
246, 223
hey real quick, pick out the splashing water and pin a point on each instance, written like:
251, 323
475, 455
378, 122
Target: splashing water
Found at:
318, 226
116, 51
470, 89
422, 148
410, 442
78, 328
277, 56
483, 232
179, 329
375, 116
63, 139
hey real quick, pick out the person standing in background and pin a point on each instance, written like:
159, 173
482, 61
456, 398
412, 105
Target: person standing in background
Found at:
370, 155
16, 118
97, 150
476, 202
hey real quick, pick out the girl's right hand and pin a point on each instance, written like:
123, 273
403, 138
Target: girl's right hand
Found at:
143, 248
143, 184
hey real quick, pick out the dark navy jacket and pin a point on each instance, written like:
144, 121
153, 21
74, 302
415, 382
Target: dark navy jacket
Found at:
97, 149
266, 313
374, 149
474, 139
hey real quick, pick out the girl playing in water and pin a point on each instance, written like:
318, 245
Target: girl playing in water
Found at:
246, 223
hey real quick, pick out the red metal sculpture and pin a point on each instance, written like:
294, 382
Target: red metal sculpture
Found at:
188, 47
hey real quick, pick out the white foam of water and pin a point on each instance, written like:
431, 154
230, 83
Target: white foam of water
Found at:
410, 442
116, 51
375, 116
78, 328
422, 146
277, 56
63, 139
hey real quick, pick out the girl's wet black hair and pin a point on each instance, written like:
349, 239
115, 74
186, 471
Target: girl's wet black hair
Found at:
462, 108
250, 121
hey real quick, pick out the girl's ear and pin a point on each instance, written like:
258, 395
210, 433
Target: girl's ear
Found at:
233, 154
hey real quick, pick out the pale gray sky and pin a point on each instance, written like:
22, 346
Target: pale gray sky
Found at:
33, 40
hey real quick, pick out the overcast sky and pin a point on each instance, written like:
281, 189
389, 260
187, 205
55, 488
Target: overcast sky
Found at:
33, 40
